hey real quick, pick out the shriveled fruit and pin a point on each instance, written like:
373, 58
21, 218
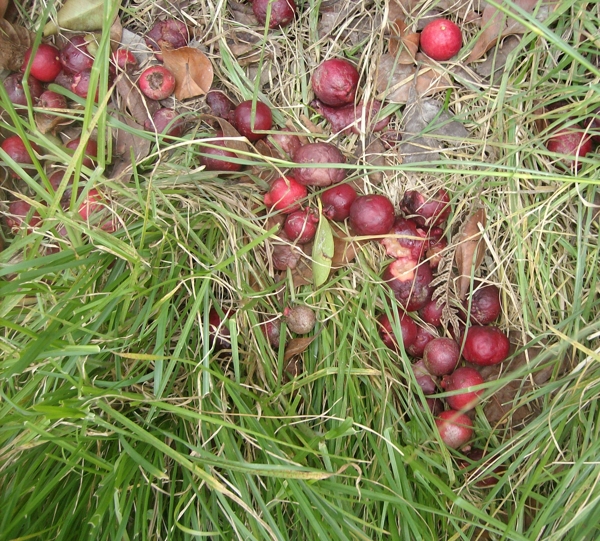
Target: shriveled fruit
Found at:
337, 201
300, 319
284, 143
157, 82
406, 239
281, 12
423, 338
167, 34
220, 103
334, 82
80, 84
485, 345
319, 153
285, 195
455, 428
410, 282
441, 356
427, 211
16, 92
76, 56
250, 118
349, 118
463, 378
441, 39
572, 142
372, 215
485, 304
424, 379
52, 100
408, 328
45, 64
301, 226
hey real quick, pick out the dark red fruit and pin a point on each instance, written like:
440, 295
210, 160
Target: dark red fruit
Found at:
441, 39
45, 65
165, 121
462, 378
301, 226
272, 330
424, 379
408, 329
432, 313
485, 304
337, 201
80, 84
319, 153
349, 118
90, 152
282, 12
441, 356
249, 122
423, 338
55, 180
17, 216
16, 93
285, 195
427, 211
285, 144
485, 345
157, 82
219, 335
372, 215
220, 157
75, 56
406, 240
571, 141
455, 428
64, 79
334, 82
169, 34
410, 283
52, 100
437, 247
124, 60
220, 104
16, 149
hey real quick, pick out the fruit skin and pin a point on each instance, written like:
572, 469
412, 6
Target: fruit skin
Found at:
247, 123
437, 245
90, 153
45, 65
462, 378
424, 379
282, 12
441, 356
285, 195
319, 153
92, 205
432, 313
218, 159
284, 142
410, 283
441, 39
337, 201
80, 84
372, 215
408, 240
427, 211
157, 83
16, 93
423, 338
17, 212
334, 82
408, 329
272, 330
170, 34
16, 149
349, 118
75, 56
125, 60
485, 304
165, 121
455, 428
571, 141
485, 345
52, 100
219, 103
301, 226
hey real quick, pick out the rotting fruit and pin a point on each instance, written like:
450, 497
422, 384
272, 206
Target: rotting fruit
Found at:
16, 92
372, 215
157, 82
571, 141
300, 319
169, 33
18, 211
75, 55
165, 121
441, 39
485, 345
319, 153
281, 14
334, 82
410, 282
485, 304
441, 356
427, 211
301, 226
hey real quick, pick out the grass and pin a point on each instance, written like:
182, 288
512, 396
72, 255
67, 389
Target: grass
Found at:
120, 420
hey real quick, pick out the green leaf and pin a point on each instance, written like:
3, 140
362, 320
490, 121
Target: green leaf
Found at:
322, 253
80, 15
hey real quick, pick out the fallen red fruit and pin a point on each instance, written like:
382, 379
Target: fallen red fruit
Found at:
424, 379
157, 82
406, 240
441, 356
462, 378
427, 211
372, 215
432, 312
423, 338
165, 121
285, 144
75, 55
281, 12
16, 149
169, 34
337, 201
455, 428
90, 152
441, 39
485, 304
250, 118
16, 92
571, 141
334, 82
485, 345
285, 195
319, 154
45, 65
125, 60
410, 283
219, 335
17, 216
408, 329
301, 226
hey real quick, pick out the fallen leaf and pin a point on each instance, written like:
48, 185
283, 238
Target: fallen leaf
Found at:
242, 13
79, 15
47, 122
126, 141
14, 42
344, 251
403, 40
347, 22
3, 7
296, 346
322, 252
470, 250
229, 133
495, 63
192, 69
137, 45
134, 101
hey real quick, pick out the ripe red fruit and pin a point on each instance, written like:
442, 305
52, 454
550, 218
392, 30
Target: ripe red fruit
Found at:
334, 82
248, 123
220, 157
455, 428
125, 60
441, 356
165, 121
462, 378
285, 195
337, 201
441, 39
90, 152
170, 34
285, 144
282, 12
75, 55
571, 141
408, 240
427, 211
16, 92
485, 345
45, 65
410, 282
423, 338
319, 153
301, 226
17, 216
408, 329
16, 149
157, 82
485, 304
372, 215
432, 312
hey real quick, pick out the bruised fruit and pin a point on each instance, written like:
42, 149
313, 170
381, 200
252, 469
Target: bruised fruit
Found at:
285, 195
423, 338
334, 82
300, 319
319, 154
410, 282
437, 247
284, 143
157, 83
572, 142
408, 329
441, 39
424, 379
349, 118
80, 84
52, 100
220, 104
249, 118
441, 356
371, 215
169, 34
45, 64
165, 121
406, 239
485, 304
16, 92
337, 201
427, 211
462, 378
485, 345
75, 55
455, 428
301, 226
281, 12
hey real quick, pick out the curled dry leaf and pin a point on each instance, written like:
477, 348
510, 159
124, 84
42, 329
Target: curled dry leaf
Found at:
404, 41
133, 100
14, 41
470, 250
297, 346
126, 141
192, 69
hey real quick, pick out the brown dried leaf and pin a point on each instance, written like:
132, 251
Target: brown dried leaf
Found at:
125, 141
14, 41
496, 62
47, 123
404, 41
134, 101
228, 132
470, 250
344, 250
192, 69
297, 346
242, 13
3, 7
